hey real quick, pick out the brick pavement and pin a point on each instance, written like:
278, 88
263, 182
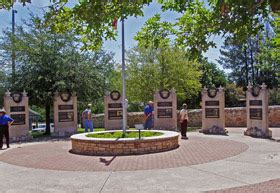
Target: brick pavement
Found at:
56, 156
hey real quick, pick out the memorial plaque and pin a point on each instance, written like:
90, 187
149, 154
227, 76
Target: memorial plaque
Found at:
19, 119
65, 107
256, 113
164, 113
212, 113
17, 109
212, 103
255, 102
114, 114
66, 116
114, 105
164, 104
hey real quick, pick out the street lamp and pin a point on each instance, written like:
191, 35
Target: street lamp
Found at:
13, 50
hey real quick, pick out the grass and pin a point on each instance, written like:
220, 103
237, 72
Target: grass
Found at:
119, 134
82, 130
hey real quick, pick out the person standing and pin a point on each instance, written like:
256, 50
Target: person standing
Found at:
184, 121
87, 118
5, 122
148, 111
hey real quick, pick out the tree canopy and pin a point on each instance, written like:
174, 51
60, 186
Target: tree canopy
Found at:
92, 20
48, 62
149, 70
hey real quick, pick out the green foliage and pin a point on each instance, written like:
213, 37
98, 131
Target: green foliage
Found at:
252, 61
234, 96
82, 130
48, 62
151, 69
2, 86
195, 27
212, 75
92, 20
155, 33
120, 134
274, 96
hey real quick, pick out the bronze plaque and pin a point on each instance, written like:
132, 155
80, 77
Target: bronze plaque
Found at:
17, 109
212, 113
164, 104
114, 114
114, 105
66, 116
19, 119
255, 102
256, 114
65, 107
165, 113
212, 103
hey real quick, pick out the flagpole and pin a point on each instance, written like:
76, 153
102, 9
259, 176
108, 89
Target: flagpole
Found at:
124, 103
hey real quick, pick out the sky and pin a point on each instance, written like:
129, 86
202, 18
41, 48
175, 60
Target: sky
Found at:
132, 26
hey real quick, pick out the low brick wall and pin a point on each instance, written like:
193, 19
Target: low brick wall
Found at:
111, 147
235, 117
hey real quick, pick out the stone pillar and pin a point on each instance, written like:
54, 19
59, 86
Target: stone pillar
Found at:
165, 110
65, 114
257, 111
213, 111
113, 110
16, 105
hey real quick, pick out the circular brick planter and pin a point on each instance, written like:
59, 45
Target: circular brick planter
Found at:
124, 146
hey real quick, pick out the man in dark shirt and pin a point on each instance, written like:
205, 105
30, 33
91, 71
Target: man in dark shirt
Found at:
148, 111
5, 123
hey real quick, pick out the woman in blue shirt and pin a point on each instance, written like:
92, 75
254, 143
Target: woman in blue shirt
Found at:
5, 123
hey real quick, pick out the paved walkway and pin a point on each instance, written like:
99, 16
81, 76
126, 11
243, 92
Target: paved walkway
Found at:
56, 156
260, 163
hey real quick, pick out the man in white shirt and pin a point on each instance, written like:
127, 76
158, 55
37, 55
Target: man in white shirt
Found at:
87, 118
184, 121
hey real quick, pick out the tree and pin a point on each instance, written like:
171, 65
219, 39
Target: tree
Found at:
212, 75
253, 60
154, 33
48, 62
92, 20
152, 69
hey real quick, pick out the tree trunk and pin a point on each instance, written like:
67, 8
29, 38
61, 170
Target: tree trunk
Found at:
252, 62
48, 119
246, 66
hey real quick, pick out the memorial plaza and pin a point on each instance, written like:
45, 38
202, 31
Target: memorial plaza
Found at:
233, 163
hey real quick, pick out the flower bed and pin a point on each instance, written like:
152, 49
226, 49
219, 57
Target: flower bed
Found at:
81, 144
